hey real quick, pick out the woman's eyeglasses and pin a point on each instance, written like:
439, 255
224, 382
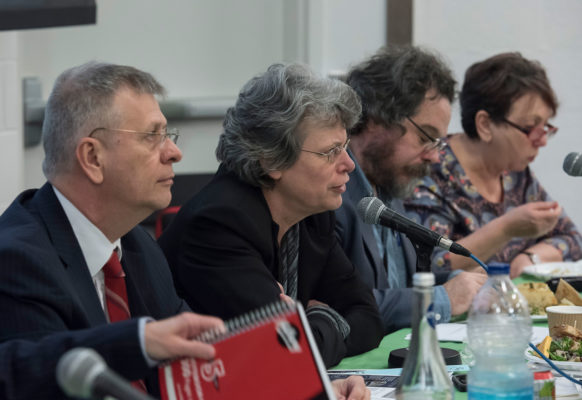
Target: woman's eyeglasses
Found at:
331, 154
535, 133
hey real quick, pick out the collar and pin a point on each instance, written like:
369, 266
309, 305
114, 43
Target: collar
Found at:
94, 244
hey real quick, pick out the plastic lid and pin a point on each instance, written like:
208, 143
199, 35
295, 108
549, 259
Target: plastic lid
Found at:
423, 279
498, 269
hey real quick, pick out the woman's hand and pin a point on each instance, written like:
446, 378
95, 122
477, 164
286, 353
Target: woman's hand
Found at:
532, 220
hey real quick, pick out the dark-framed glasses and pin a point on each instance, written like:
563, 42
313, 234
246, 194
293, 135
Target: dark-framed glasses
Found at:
156, 138
535, 133
332, 154
429, 143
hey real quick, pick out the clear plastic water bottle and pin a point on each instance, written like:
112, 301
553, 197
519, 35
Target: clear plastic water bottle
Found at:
499, 330
424, 375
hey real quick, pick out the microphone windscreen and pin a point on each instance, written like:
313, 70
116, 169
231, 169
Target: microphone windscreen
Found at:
573, 164
369, 209
77, 369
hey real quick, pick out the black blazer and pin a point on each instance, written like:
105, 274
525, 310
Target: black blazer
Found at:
45, 285
223, 252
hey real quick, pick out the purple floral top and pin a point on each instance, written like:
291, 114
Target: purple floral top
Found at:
448, 203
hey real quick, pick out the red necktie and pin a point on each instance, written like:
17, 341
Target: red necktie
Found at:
115, 290
116, 297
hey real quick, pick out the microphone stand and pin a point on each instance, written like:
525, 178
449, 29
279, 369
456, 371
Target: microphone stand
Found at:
423, 253
423, 264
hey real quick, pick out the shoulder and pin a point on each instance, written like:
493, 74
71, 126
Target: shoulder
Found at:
20, 225
226, 206
320, 225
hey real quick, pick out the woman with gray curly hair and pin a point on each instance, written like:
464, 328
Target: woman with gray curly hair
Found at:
263, 228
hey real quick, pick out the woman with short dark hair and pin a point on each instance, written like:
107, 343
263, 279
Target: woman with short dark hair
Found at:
483, 193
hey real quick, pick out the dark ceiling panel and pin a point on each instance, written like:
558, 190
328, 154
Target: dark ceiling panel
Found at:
29, 14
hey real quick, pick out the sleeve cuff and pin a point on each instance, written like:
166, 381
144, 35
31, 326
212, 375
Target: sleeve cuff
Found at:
333, 316
141, 333
442, 304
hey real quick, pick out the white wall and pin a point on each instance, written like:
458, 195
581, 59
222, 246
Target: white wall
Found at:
209, 48
202, 48
198, 49
11, 148
550, 31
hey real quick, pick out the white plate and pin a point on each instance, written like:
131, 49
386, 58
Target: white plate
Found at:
536, 318
554, 270
566, 365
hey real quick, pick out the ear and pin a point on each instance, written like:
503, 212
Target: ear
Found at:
89, 155
483, 125
275, 175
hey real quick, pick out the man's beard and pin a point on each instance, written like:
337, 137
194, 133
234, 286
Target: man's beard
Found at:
394, 182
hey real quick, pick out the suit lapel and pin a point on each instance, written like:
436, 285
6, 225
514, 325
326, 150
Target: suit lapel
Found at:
133, 264
65, 243
354, 192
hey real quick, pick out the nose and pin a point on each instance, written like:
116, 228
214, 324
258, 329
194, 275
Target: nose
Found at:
171, 153
432, 155
345, 162
541, 142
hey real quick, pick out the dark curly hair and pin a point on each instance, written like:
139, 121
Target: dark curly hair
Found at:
392, 84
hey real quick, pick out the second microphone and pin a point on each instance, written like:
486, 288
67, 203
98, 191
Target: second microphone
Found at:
373, 211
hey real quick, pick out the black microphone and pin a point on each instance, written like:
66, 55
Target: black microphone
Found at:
81, 372
573, 164
373, 211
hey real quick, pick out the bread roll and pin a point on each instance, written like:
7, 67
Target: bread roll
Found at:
538, 296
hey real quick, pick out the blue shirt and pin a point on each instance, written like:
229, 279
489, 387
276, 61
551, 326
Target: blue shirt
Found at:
390, 247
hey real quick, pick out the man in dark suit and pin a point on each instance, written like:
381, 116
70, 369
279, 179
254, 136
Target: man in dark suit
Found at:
406, 96
109, 165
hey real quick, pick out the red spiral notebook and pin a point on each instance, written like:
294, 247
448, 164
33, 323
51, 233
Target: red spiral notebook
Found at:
268, 353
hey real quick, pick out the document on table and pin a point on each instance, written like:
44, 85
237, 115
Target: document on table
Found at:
382, 382
456, 332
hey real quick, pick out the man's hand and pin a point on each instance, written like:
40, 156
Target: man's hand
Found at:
172, 337
532, 220
351, 388
461, 290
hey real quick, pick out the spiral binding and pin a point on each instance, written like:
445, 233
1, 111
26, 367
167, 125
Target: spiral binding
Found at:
247, 321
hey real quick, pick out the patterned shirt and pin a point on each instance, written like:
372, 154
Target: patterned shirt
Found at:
449, 204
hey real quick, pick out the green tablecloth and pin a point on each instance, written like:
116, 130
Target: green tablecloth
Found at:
378, 358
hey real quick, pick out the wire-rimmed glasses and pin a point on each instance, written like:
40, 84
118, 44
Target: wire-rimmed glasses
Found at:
331, 154
432, 143
157, 138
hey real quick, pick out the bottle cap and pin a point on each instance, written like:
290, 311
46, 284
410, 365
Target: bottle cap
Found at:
498, 269
423, 279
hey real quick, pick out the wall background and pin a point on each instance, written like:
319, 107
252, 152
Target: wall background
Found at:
207, 49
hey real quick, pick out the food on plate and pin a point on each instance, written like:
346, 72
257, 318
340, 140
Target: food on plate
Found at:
567, 331
544, 346
566, 292
538, 296
564, 345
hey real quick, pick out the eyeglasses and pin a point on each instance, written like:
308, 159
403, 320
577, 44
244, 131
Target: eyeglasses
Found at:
333, 153
432, 143
535, 133
156, 138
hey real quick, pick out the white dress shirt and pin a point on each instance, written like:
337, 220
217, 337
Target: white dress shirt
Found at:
97, 249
